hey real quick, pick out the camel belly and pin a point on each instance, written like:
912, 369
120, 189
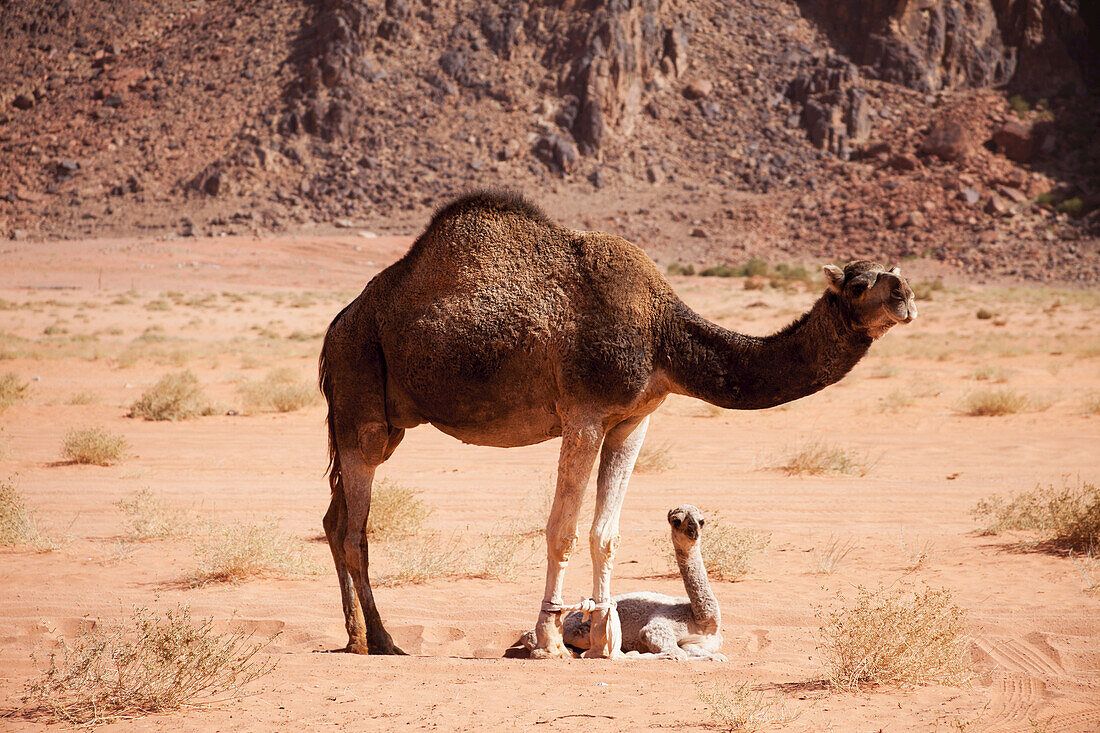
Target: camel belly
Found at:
490, 415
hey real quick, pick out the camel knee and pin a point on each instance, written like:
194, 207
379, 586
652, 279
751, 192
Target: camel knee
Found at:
559, 548
604, 544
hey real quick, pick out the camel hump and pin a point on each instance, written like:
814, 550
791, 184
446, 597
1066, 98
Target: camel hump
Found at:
491, 202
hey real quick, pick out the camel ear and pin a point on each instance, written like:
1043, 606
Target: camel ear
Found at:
895, 270
834, 276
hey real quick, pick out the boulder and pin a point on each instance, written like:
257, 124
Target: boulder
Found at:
948, 140
699, 89
1017, 141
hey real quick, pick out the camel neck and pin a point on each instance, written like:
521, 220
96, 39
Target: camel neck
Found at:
704, 606
742, 372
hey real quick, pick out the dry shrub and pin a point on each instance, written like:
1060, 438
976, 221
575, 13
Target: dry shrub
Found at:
1088, 565
894, 638
995, 402
146, 664
177, 396
818, 458
150, 519
280, 391
740, 708
237, 552
426, 558
395, 511
94, 446
728, 552
11, 390
1068, 517
655, 458
18, 524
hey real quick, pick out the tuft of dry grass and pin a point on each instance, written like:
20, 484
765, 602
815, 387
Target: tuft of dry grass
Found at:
237, 552
817, 458
83, 398
426, 558
12, 390
655, 458
991, 373
145, 664
94, 446
1069, 516
827, 558
177, 396
1088, 565
896, 401
150, 519
18, 524
995, 403
740, 708
894, 638
501, 553
279, 391
395, 511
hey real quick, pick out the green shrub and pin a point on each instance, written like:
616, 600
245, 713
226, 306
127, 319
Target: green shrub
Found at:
1074, 207
677, 268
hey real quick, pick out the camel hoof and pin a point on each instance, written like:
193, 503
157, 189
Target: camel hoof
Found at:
601, 654
357, 647
560, 652
388, 649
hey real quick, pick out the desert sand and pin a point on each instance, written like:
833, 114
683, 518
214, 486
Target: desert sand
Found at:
230, 309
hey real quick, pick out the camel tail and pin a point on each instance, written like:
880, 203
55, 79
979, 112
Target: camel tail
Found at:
324, 381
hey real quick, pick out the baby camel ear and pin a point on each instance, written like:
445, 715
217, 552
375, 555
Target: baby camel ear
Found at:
835, 277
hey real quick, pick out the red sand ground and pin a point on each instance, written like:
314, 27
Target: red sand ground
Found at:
1035, 631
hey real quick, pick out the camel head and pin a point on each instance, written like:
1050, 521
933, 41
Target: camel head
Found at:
872, 298
687, 523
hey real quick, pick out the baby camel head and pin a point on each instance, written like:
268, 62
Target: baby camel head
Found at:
872, 298
687, 523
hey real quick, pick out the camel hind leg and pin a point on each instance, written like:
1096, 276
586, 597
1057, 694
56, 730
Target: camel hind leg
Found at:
336, 530
360, 439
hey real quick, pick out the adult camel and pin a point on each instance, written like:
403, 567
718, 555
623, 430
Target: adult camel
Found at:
502, 328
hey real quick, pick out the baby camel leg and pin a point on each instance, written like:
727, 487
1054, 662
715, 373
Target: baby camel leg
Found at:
579, 446
620, 450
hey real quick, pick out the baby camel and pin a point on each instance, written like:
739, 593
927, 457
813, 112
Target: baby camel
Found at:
658, 626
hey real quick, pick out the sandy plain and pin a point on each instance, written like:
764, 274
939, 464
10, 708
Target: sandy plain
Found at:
232, 309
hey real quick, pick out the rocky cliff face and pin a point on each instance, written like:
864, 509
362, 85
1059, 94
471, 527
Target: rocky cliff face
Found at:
929, 45
705, 130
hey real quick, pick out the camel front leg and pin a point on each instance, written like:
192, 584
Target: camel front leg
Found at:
580, 443
620, 451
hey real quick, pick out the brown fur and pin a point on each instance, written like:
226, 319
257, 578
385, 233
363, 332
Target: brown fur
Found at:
502, 328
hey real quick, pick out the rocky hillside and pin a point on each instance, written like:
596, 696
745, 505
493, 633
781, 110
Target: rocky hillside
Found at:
707, 131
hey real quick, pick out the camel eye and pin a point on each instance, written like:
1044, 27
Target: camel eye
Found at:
702, 522
858, 288
675, 521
